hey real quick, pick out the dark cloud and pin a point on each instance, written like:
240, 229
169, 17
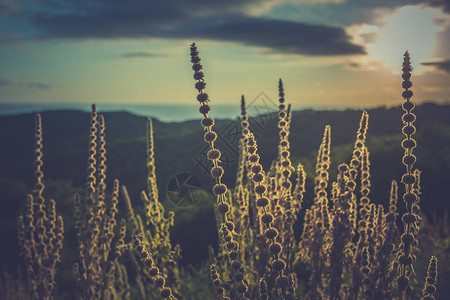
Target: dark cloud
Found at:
345, 13
118, 18
30, 85
179, 22
143, 55
440, 65
444, 4
6, 7
279, 36
219, 20
370, 4
215, 20
108, 23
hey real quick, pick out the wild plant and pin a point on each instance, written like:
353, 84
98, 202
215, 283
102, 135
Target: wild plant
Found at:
348, 243
239, 286
410, 197
41, 231
430, 281
349, 246
153, 235
95, 224
153, 270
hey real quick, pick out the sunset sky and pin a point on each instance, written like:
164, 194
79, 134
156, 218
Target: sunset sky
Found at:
329, 53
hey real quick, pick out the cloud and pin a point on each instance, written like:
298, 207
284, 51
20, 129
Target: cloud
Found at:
29, 85
6, 7
439, 65
231, 20
444, 4
369, 37
277, 35
220, 20
143, 54
118, 18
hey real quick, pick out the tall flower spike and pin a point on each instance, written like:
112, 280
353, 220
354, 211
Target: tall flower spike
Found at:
150, 149
232, 246
288, 116
245, 122
283, 147
365, 270
245, 127
299, 188
282, 106
153, 270
430, 281
358, 148
90, 182
95, 269
410, 197
365, 183
263, 202
341, 229
40, 231
151, 166
210, 136
322, 166
39, 186
217, 282
101, 174
393, 198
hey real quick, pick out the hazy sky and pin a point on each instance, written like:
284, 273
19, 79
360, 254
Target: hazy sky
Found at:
328, 52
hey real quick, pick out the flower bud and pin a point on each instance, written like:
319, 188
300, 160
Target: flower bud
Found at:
210, 136
271, 233
220, 189
223, 208
278, 265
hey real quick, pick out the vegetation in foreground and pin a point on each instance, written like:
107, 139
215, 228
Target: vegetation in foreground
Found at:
349, 247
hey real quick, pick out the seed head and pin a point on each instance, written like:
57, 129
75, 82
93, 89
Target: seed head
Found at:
271, 233
166, 293
223, 208
278, 265
220, 189
210, 136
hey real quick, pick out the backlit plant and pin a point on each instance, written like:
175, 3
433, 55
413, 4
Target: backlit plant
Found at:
347, 247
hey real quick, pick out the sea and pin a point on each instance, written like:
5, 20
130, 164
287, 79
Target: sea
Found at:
165, 113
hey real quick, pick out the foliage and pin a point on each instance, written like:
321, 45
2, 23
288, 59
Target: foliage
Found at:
281, 232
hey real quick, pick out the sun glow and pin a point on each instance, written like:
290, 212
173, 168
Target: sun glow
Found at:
410, 28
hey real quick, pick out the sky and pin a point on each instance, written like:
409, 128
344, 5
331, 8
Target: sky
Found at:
329, 53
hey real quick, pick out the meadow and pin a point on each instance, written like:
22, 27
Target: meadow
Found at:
351, 220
